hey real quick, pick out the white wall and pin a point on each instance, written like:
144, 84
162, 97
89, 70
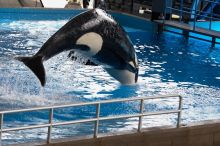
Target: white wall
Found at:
54, 3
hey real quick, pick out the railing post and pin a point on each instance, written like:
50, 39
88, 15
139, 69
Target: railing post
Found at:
181, 10
195, 15
210, 19
165, 12
180, 112
1, 127
132, 6
141, 117
51, 126
96, 130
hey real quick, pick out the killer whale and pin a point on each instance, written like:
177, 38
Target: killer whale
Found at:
96, 35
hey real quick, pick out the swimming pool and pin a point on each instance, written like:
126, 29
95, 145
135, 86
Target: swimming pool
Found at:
169, 64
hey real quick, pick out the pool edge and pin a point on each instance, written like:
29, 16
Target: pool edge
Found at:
204, 133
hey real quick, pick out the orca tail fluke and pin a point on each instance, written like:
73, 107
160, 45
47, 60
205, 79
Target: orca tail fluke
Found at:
35, 63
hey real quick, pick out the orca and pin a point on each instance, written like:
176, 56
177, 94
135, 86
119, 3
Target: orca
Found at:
95, 35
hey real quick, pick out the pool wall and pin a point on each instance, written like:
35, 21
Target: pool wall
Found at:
201, 134
37, 13
57, 14
135, 21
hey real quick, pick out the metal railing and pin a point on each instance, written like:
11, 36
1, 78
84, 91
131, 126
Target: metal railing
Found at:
51, 123
195, 12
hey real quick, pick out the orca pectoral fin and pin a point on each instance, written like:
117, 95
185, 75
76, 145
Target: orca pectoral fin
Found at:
36, 65
74, 58
71, 55
78, 47
89, 62
81, 47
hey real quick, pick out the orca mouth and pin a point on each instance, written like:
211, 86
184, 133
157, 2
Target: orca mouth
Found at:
134, 70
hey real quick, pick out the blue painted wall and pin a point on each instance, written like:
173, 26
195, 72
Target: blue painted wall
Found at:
57, 14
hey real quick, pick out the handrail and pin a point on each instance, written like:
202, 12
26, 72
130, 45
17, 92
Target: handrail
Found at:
87, 103
195, 12
214, 2
51, 123
185, 8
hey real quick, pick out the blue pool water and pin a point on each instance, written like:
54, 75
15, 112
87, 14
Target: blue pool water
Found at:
169, 64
